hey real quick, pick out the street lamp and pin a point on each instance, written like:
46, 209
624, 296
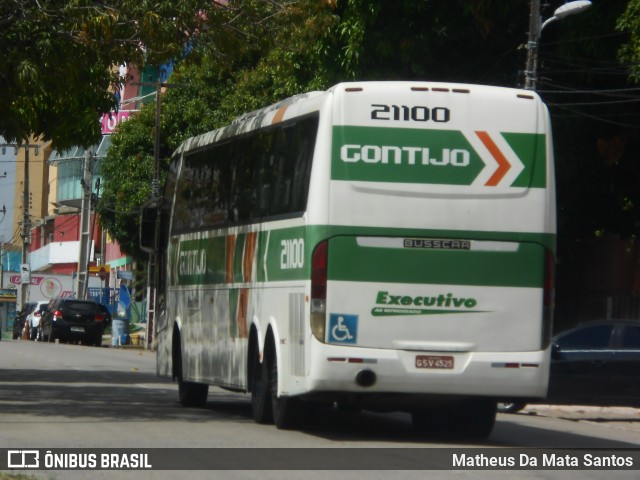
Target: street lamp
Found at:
535, 30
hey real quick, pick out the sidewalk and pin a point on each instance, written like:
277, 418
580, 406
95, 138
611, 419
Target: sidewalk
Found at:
136, 339
627, 418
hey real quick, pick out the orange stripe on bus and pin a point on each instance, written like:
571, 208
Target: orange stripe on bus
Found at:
249, 254
277, 118
503, 164
231, 247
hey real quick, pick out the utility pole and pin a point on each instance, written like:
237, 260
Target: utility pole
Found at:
531, 72
25, 271
26, 231
535, 30
152, 277
85, 230
2, 260
152, 267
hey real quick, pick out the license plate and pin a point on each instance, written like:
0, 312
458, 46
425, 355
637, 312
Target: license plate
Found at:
444, 362
77, 329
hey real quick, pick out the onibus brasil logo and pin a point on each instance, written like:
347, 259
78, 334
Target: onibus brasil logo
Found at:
393, 305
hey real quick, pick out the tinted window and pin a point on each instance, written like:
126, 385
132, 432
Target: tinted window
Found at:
631, 338
589, 337
79, 307
29, 307
255, 176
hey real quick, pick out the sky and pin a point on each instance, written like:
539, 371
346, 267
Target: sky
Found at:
7, 186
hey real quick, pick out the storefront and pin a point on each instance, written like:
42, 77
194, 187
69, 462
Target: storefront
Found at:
8, 299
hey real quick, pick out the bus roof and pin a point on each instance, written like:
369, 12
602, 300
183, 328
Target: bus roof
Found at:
274, 113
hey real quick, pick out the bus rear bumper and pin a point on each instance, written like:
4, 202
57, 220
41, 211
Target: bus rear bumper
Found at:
497, 375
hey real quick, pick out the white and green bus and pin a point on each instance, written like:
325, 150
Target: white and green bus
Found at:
385, 246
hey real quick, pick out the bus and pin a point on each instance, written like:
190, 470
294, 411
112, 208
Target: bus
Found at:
386, 246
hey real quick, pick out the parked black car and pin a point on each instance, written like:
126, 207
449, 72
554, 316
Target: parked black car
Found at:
106, 312
21, 316
597, 363
69, 319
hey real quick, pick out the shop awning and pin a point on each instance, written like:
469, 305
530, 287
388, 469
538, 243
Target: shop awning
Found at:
8, 295
77, 153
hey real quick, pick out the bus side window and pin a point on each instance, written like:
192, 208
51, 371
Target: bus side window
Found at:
244, 166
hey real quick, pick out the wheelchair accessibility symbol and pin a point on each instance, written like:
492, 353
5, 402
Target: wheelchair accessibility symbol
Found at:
343, 328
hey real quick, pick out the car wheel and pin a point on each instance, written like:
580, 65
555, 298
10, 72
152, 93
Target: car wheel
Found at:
510, 407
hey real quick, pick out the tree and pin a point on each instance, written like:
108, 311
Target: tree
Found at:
307, 45
129, 169
278, 50
57, 71
219, 70
629, 22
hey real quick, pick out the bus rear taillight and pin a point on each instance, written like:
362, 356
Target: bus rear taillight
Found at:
319, 290
548, 298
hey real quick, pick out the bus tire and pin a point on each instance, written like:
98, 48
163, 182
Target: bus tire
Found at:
288, 412
260, 391
472, 419
432, 421
475, 419
191, 394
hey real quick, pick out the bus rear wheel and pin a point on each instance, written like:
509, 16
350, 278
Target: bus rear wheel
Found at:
472, 419
288, 412
260, 391
191, 394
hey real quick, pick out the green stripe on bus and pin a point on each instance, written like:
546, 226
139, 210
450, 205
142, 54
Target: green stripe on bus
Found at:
442, 157
532, 151
285, 254
399, 155
349, 261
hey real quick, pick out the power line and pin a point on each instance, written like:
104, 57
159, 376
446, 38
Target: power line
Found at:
592, 92
582, 39
590, 104
594, 117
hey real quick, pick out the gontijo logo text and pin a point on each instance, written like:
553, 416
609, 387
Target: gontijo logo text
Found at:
427, 156
404, 155
394, 305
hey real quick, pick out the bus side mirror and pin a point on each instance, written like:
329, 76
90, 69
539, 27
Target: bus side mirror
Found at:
148, 222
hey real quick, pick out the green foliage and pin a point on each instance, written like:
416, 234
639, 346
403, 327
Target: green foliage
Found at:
629, 22
127, 171
256, 52
58, 57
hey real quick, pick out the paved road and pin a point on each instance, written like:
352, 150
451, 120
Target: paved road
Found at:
57, 396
